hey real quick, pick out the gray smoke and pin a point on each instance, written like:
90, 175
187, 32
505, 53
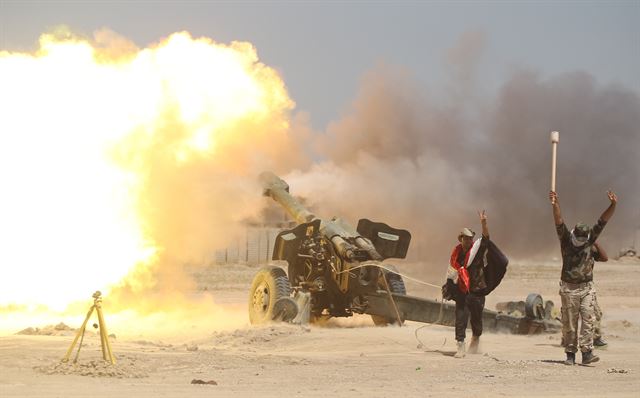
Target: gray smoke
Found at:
427, 166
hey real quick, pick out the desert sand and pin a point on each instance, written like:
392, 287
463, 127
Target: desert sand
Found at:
345, 357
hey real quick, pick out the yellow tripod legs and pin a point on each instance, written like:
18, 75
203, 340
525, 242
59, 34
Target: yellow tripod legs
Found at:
107, 354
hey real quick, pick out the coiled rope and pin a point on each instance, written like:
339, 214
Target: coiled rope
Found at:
421, 345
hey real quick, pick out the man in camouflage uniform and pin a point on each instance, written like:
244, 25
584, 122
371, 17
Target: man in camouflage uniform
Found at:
598, 341
576, 282
598, 255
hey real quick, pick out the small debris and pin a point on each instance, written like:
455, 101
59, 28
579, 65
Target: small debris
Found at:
418, 368
198, 381
615, 370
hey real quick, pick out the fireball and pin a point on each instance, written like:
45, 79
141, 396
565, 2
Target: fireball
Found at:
117, 163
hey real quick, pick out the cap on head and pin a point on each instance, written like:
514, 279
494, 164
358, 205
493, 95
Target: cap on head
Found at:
581, 230
466, 232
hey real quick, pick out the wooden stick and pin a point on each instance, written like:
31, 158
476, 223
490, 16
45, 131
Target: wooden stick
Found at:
555, 138
107, 354
80, 331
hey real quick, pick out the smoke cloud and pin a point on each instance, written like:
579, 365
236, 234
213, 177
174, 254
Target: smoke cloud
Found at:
428, 166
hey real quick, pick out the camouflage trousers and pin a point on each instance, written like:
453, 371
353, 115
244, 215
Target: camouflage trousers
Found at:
597, 326
578, 301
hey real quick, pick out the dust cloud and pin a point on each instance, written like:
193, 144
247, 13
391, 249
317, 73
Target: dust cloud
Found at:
125, 164
427, 165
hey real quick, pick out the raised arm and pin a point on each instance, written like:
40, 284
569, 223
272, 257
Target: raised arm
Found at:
483, 221
601, 255
555, 204
608, 213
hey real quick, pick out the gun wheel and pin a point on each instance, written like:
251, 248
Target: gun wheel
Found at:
534, 306
396, 285
268, 296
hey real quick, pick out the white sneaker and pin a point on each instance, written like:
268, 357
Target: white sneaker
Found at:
461, 350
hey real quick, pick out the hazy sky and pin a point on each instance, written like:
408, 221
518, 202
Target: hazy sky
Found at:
324, 48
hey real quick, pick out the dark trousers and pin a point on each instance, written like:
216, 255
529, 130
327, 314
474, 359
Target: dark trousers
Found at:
469, 305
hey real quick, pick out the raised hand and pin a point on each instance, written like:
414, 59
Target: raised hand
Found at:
553, 197
483, 220
608, 213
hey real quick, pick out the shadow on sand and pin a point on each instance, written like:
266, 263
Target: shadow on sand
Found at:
555, 361
445, 353
561, 362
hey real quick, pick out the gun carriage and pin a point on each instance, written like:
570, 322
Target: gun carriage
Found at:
334, 270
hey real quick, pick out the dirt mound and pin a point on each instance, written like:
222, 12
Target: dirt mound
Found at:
50, 330
629, 260
157, 344
125, 368
265, 334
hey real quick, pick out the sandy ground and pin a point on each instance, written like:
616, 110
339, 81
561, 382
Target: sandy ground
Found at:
349, 358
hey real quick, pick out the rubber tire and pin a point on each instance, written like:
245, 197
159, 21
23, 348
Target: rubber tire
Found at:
273, 284
396, 285
533, 305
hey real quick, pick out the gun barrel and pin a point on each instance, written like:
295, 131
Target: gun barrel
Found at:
278, 190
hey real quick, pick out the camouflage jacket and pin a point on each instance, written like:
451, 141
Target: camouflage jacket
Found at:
577, 261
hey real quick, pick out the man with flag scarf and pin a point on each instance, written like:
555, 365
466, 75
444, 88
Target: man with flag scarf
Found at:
576, 281
475, 269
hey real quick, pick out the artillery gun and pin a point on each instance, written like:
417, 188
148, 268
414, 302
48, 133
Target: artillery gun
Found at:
336, 271
332, 268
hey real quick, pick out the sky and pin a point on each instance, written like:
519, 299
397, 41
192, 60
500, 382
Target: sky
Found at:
323, 49
415, 113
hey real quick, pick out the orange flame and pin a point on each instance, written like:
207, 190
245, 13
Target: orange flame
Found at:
117, 162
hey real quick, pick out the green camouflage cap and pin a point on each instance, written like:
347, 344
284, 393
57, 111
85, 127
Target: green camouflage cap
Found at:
581, 230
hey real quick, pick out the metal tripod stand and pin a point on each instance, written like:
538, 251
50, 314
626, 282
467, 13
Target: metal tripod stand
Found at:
104, 338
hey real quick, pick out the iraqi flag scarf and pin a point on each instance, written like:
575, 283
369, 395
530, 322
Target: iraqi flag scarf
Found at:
460, 272
495, 268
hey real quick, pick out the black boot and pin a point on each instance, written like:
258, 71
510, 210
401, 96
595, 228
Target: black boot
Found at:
599, 342
571, 358
588, 357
